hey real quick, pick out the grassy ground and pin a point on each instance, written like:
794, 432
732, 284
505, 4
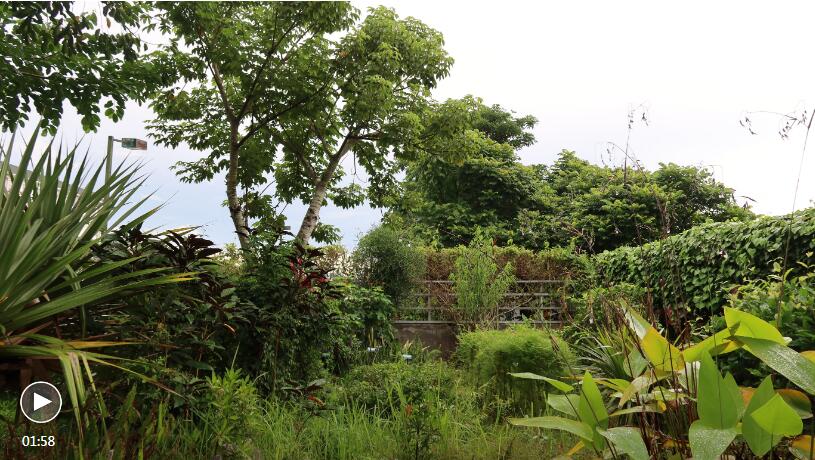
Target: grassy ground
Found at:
237, 427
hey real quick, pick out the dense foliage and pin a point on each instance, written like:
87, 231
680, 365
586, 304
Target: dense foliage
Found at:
50, 281
572, 202
50, 54
382, 387
788, 302
490, 355
293, 89
276, 349
696, 269
388, 258
693, 409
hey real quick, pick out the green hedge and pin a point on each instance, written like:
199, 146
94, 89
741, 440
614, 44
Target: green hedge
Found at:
490, 355
700, 266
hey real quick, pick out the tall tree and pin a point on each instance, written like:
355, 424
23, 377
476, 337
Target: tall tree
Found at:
449, 198
276, 92
50, 54
240, 67
378, 107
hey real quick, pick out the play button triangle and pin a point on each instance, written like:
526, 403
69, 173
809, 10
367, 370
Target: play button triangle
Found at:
40, 401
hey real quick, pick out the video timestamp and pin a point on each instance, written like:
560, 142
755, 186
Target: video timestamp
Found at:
38, 441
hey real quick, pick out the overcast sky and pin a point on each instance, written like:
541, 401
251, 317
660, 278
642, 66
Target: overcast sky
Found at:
579, 67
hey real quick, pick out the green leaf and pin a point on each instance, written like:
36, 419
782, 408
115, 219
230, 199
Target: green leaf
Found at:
627, 440
636, 386
778, 418
591, 409
662, 354
784, 360
566, 404
717, 344
562, 386
758, 439
747, 325
637, 323
735, 394
708, 443
715, 399
579, 429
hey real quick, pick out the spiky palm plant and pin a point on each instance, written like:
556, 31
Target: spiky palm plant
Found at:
50, 217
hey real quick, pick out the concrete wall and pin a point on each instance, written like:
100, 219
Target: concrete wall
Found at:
438, 335
441, 335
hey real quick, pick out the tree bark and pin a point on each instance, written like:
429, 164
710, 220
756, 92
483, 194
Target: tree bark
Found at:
232, 199
312, 217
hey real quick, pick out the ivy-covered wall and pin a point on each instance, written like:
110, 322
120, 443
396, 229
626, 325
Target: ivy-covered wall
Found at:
699, 266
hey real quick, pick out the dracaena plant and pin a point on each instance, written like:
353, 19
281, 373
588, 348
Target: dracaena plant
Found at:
681, 403
53, 210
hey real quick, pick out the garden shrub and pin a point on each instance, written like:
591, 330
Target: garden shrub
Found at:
377, 387
372, 308
698, 267
298, 331
390, 259
478, 283
198, 319
489, 356
232, 413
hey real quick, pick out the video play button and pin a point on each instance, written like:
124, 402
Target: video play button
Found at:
41, 402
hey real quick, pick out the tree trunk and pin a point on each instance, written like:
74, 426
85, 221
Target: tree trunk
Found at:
312, 217
234, 203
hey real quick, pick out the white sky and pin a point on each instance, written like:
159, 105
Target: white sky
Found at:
579, 67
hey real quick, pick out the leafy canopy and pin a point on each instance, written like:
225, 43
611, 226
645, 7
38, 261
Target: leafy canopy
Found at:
50, 54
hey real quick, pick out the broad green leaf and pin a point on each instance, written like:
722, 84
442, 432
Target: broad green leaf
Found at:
798, 401
579, 429
660, 352
717, 344
614, 384
627, 440
809, 354
635, 363
778, 418
562, 386
566, 404
803, 447
637, 323
636, 386
784, 360
716, 402
758, 439
591, 409
708, 443
747, 325
735, 394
